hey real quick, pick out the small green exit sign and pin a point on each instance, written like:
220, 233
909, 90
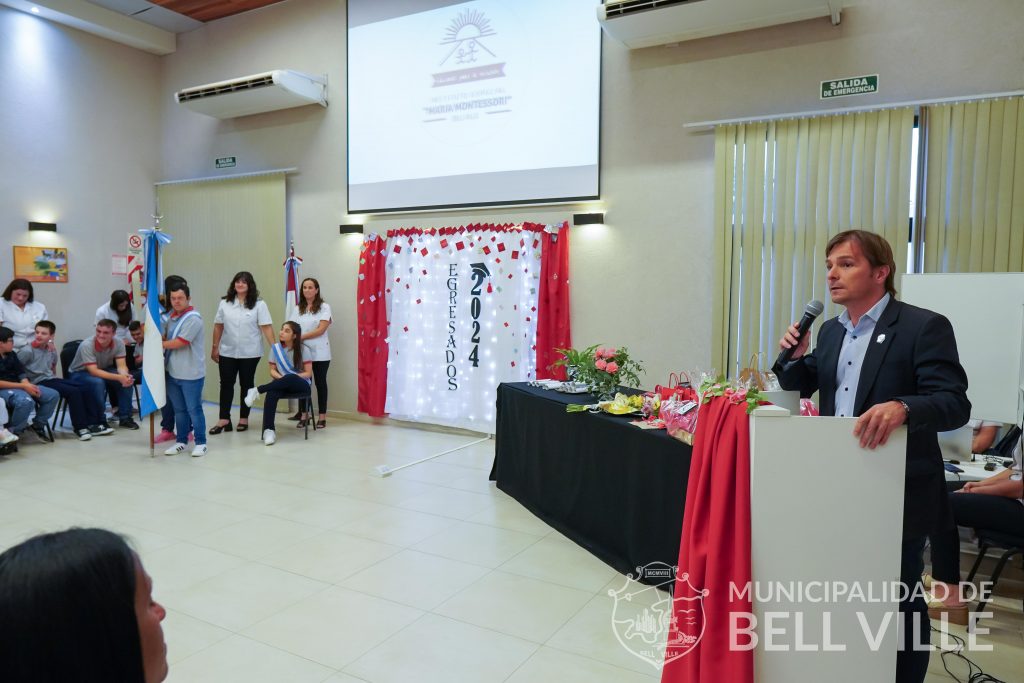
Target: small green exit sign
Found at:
225, 162
844, 87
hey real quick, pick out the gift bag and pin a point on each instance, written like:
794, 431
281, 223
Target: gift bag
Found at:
678, 387
754, 378
680, 416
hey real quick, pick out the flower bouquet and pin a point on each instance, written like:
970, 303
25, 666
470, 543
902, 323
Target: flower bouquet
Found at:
601, 369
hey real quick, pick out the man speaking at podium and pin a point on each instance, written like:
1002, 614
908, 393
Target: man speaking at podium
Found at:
887, 363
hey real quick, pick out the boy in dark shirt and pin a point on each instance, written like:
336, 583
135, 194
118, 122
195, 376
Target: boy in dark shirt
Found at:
21, 395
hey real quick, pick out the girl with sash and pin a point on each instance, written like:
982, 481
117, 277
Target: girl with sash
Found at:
292, 370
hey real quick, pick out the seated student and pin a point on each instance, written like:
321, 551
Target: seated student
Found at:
983, 434
99, 365
40, 361
77, 605
21, 395
292, 370
995, 503
138, 333
6, 437
119, 309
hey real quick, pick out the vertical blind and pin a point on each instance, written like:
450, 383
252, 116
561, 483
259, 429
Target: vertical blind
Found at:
782, 190
221, 227
974, 192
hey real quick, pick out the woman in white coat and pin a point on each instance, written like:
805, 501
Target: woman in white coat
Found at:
242, 322
118, 309
314, 319
19, 311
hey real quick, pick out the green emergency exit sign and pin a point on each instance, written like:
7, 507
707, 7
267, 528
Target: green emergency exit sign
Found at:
844, 87
225, 162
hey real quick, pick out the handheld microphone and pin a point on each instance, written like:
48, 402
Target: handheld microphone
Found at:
812, 310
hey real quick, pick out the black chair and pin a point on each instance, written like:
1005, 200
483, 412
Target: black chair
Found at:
67, 354
1014, 545
1004, 449
305, 400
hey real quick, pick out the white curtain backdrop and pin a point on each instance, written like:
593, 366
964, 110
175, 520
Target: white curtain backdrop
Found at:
462, 318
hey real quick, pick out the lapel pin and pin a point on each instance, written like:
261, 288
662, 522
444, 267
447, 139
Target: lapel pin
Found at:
881, 338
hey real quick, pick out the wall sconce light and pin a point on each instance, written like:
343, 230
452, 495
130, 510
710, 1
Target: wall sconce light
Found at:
51, 227
588, 219
351, 229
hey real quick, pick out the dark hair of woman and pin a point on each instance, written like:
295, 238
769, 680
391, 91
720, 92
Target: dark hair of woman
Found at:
296, 344
67, 610
315, 306
118, 297
251, 295
19, 283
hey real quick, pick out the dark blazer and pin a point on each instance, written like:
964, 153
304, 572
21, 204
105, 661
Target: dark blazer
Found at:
915, 362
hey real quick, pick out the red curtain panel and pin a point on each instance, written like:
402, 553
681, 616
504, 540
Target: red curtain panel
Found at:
553, 331
371, 312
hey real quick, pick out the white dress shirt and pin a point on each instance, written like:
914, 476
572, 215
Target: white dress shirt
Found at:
319, 347
22, 321
242, 336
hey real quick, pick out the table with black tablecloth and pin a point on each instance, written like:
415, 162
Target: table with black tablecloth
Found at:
613, 488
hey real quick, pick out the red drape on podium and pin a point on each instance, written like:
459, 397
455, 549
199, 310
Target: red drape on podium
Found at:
553, 304
371, 312
714, 553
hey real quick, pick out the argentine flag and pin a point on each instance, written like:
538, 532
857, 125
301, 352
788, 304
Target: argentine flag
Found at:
154, 392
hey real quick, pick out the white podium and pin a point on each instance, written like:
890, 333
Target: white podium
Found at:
826, 515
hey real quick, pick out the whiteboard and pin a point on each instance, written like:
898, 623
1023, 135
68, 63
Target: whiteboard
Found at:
987, 313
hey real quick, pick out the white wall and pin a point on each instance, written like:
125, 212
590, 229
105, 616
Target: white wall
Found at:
79, 146
643, 279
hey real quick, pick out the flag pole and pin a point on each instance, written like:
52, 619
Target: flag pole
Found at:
154, 394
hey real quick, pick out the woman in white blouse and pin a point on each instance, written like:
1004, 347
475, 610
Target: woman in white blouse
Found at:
241, 323
19, 311
314, 318
118, 309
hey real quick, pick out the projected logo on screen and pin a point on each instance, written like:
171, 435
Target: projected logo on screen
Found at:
469, 45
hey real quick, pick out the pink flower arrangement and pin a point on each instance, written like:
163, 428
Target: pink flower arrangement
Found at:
601, 368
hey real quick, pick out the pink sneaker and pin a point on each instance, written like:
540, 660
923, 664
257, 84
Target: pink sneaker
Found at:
164, 435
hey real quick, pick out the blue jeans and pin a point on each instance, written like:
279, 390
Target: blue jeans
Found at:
98, 387
85, 412
20, 405
186, 395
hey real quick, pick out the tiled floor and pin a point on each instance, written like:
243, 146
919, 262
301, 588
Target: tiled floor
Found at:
293, 563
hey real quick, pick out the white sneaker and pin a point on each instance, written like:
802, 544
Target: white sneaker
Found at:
7, 437
199, 451
269, 437
84, 434
176, 448
251, 396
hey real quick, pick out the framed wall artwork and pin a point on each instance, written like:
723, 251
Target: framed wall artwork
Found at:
41, 264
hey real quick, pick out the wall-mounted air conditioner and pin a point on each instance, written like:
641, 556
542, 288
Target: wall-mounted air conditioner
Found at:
278, 89
643, 23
